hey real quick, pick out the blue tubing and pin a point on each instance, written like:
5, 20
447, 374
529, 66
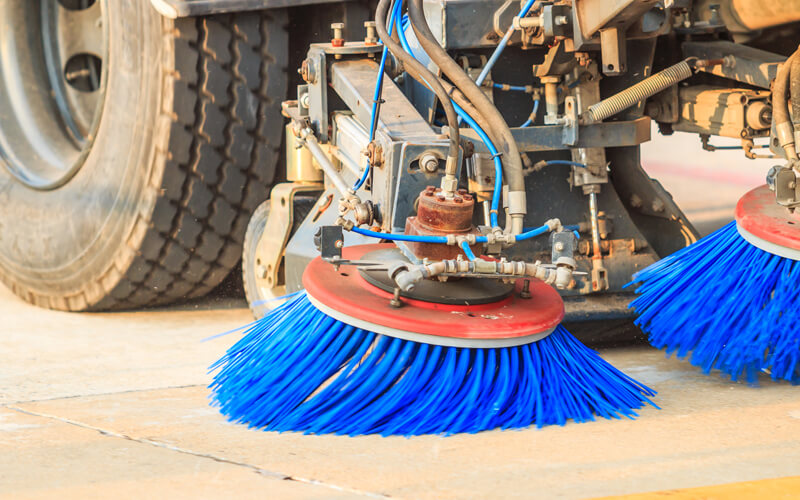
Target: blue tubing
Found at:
498, 164
502, 45
512, 88
532, 233
401, 237
531, 118
467, 250
565, 162
377, 96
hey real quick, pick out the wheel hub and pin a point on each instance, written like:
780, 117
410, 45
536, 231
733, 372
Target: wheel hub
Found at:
51, 87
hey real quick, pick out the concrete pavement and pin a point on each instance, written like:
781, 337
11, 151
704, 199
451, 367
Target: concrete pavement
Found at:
115, 406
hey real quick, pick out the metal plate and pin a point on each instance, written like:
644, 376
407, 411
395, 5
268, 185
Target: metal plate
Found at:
767, 225
458, 292
347, 297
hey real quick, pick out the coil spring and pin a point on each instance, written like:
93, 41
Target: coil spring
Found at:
639, 92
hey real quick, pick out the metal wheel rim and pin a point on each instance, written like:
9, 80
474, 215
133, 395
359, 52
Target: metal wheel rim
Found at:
52, 87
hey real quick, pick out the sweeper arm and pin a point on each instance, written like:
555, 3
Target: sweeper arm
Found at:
373, 135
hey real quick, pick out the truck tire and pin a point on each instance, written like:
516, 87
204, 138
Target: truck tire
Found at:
182, 148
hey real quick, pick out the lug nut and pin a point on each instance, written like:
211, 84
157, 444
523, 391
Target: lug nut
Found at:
458, 199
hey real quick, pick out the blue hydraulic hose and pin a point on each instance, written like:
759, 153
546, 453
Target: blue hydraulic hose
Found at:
401, 237
377, 95
530, 119
565, 162
513, 88
502, 45
498, 165
467, 250
409, 237
532, 233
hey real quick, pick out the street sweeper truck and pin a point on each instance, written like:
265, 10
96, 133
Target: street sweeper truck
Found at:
460, 173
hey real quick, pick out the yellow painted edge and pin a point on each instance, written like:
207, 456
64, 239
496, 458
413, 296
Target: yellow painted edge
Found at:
783, 487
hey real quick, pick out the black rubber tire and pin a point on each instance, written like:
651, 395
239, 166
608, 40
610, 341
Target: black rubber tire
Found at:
260, 305
186, 150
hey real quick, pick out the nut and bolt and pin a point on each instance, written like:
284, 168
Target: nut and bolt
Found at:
396, 302
560, 20
338, 33
558, 247
307, 72
525, 293
429, 163
458, 199
372, 35
261, 272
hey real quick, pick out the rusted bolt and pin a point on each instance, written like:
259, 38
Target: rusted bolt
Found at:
467, 197
338, 30
458, 199
307, 72
429, 163
462, 191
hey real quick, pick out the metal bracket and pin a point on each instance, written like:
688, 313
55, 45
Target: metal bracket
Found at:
329, 240
569, 131
787, 191
270, 248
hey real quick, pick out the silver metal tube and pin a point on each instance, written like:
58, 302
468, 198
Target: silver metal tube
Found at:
310, 142
593, 215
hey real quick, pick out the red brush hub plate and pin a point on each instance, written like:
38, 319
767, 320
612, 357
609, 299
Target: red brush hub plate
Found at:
346, 296
767, 225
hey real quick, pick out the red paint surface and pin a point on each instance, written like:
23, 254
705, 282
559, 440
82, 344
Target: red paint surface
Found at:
758, 214
347, 292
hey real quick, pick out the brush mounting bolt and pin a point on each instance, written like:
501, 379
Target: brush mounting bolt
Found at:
525, 293
396, 302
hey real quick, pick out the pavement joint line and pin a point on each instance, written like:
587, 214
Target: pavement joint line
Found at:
91, 395
258, 470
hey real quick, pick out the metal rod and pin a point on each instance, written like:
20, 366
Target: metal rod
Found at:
310, 142
593, 215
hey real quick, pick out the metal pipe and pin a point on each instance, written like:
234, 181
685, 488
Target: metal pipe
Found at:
310, 142
594, 218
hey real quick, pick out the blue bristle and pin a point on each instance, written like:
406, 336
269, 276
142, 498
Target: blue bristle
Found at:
298, 369
729, 304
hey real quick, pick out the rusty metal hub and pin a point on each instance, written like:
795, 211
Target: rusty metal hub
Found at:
438, 216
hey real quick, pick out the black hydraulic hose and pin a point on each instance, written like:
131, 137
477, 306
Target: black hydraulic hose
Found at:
780, 108
512, 162
419, 72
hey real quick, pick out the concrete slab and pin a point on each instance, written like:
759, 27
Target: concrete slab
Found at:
710, 431
52, 354
44, 457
